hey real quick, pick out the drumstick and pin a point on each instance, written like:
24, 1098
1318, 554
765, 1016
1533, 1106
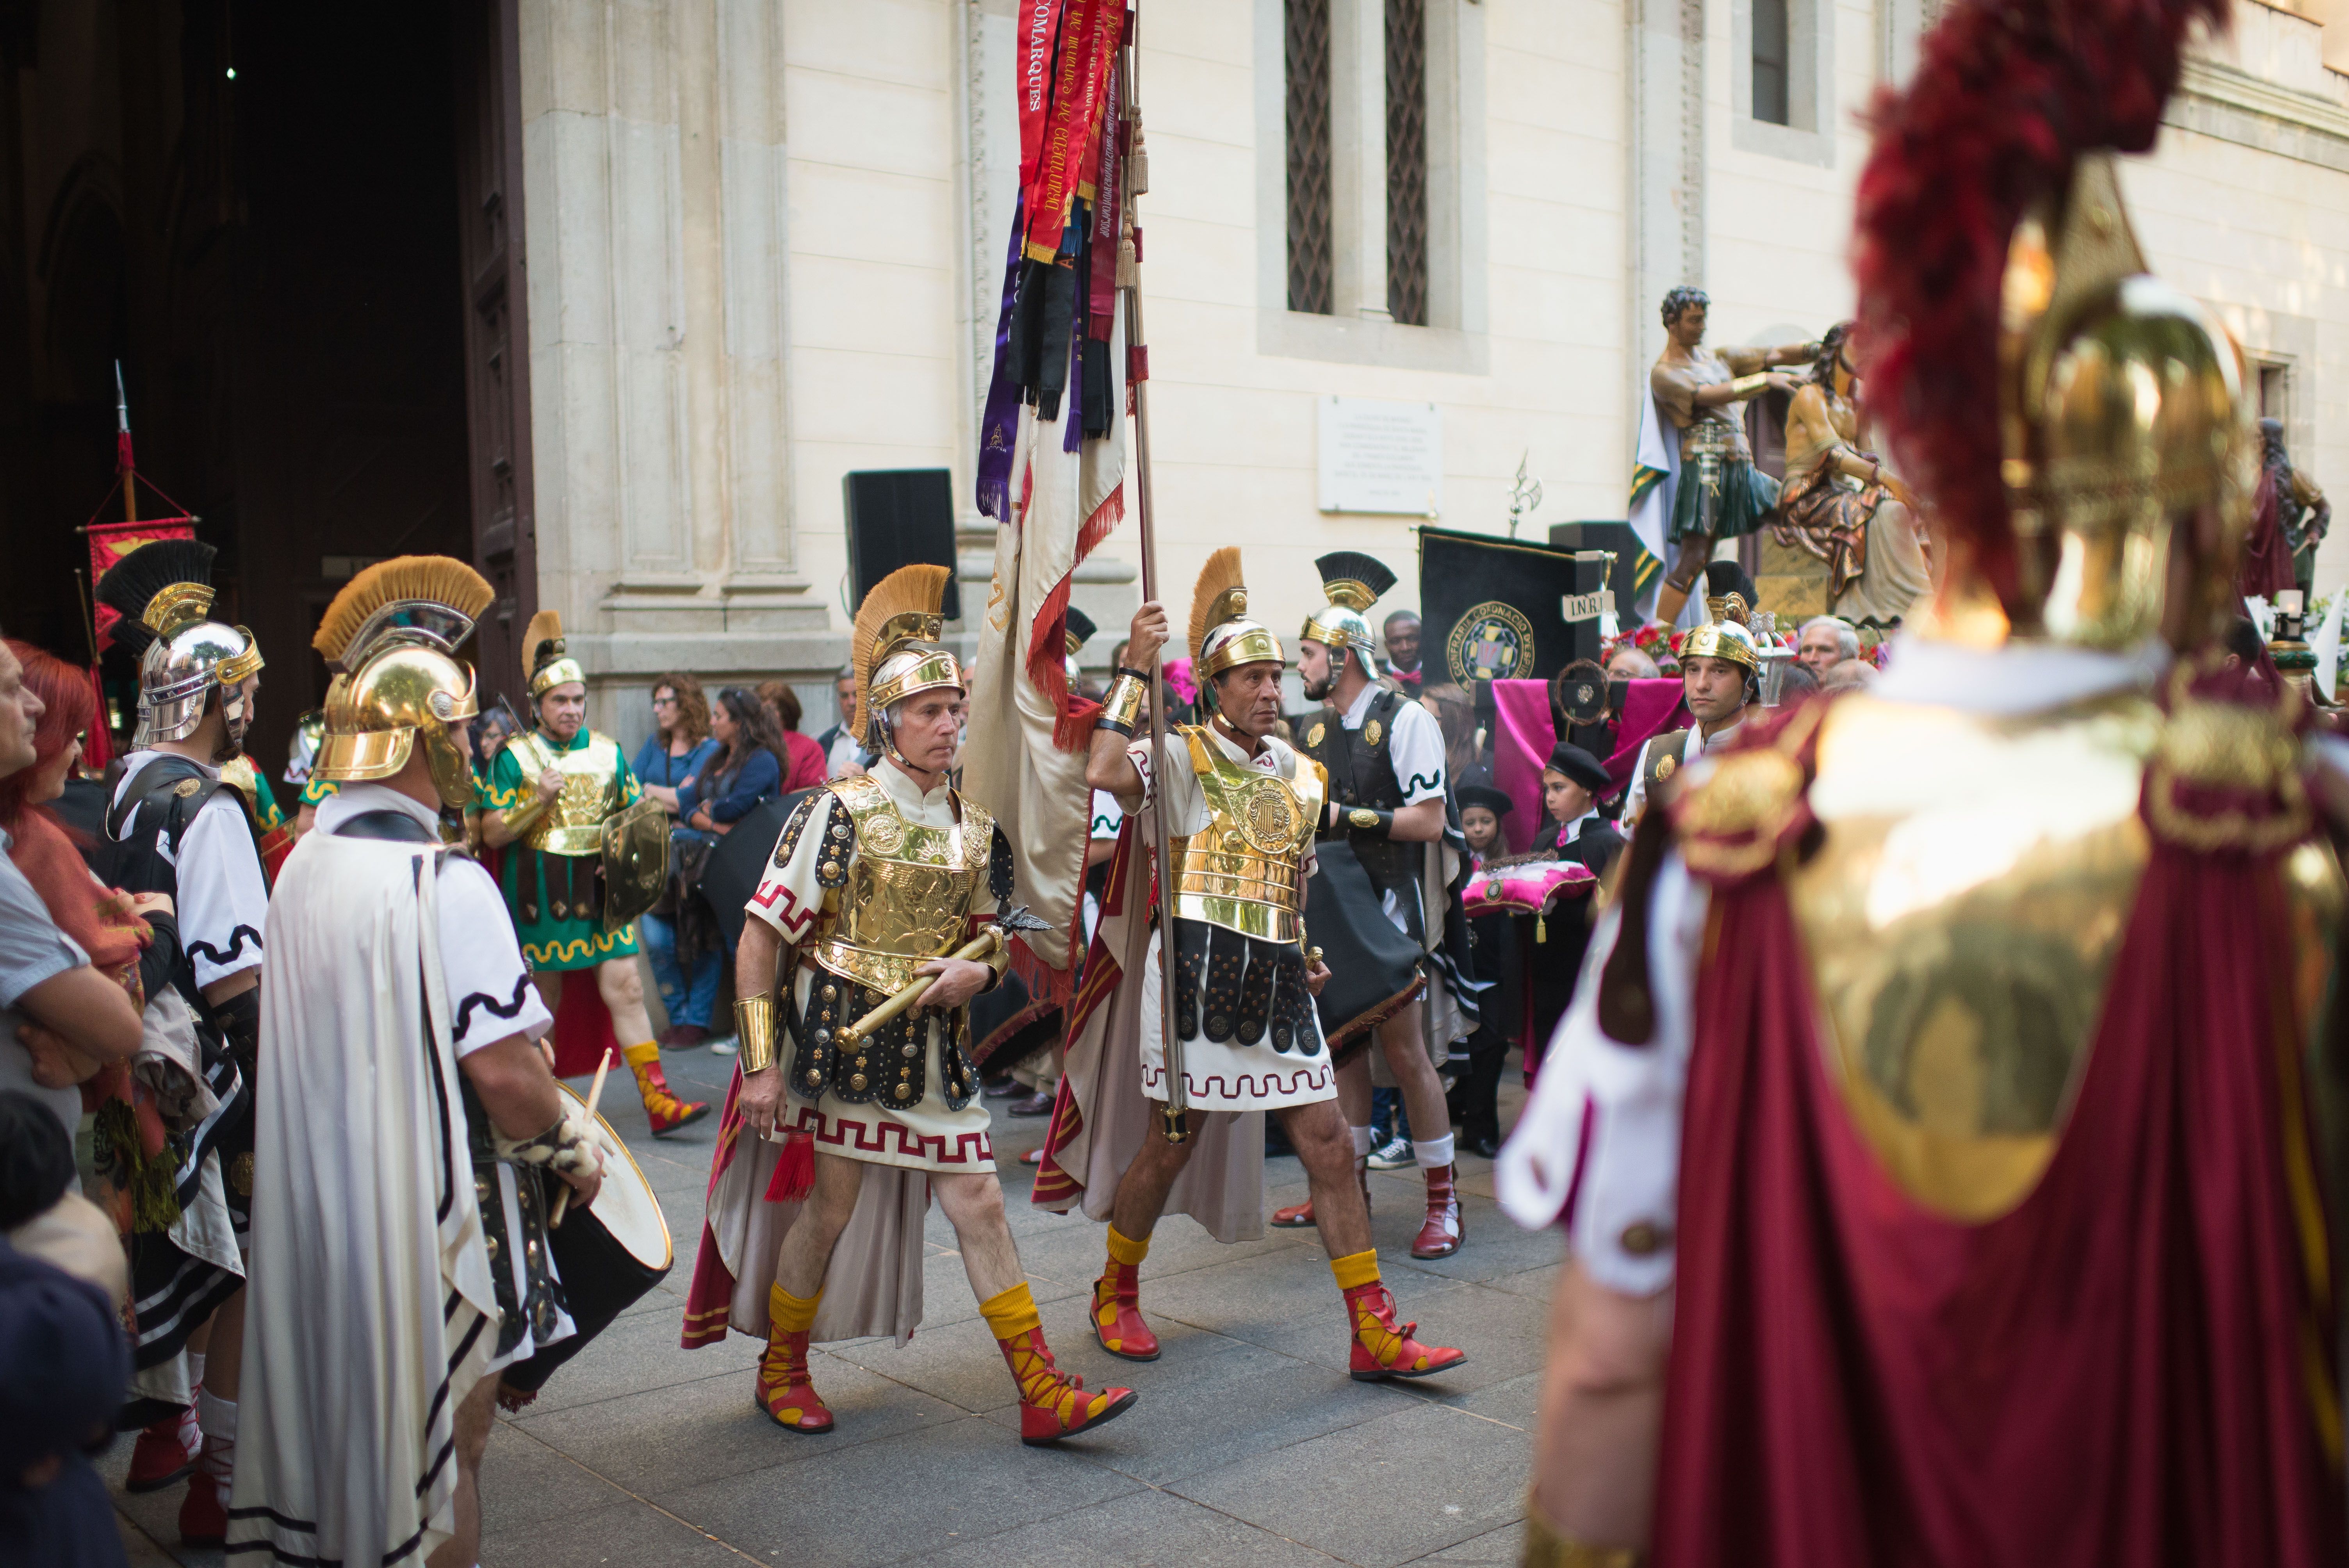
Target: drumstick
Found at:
594, 1097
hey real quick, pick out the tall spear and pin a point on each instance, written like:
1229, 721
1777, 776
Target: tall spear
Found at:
1137, 359
122, 460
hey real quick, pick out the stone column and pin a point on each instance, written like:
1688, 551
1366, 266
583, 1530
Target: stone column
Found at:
653, 158
1664, 199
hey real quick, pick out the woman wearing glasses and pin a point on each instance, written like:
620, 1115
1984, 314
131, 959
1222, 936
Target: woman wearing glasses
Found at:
683, 950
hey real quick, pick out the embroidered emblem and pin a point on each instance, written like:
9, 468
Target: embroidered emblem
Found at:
1371, 731
884, 834
1313, 737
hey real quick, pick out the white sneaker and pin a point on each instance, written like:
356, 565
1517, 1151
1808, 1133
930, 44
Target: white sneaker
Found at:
725, 1047
1393, 1157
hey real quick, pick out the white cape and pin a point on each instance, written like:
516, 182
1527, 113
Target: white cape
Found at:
372, 1311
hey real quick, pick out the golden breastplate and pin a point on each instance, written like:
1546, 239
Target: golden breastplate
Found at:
1962, 919
908, 893
573, 824
1239, 872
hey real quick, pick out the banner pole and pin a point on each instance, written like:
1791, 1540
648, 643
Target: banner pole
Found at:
1177, 1126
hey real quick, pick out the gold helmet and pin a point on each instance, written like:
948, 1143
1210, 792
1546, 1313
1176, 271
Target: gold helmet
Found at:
392, 637
1352, 581
1222, 636
543, 657
896, 649
1721, 640
163, 591
2122, 423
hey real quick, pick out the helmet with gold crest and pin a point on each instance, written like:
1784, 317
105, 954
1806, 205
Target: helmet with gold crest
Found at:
546, 658
392, 637
897, 650
2077, 426
1222, 635
164, 592
1352, 583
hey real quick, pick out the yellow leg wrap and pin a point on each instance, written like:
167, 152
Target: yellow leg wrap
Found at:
1547, 1546
791, 1314
1125, 1249
1011, 1314
1356, 1269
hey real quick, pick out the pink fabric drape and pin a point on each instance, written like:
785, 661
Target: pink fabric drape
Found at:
1526, 733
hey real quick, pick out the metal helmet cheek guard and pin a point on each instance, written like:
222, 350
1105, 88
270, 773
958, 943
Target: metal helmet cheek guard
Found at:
392, 634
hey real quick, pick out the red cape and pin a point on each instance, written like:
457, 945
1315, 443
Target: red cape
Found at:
2134, 1367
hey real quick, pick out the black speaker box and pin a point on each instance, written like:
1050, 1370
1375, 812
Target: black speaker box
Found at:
899, 516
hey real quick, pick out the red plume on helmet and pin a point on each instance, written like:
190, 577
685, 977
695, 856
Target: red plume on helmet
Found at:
2006, 93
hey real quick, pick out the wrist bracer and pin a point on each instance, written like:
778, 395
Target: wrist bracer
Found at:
517, 821
1747, 386
754, 1025
1367, 819
1122, 706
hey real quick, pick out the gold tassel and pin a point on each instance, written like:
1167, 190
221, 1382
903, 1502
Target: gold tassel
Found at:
1541, 926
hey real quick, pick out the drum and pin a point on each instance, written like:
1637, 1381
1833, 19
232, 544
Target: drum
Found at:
605, 1257
1373, 967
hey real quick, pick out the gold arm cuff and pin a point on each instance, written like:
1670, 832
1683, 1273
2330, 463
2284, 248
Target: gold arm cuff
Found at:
754, 1025
1122, 706
1747, 386
518, 820
1547, 1547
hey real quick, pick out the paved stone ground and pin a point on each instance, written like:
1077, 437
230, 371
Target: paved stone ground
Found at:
1250, 1446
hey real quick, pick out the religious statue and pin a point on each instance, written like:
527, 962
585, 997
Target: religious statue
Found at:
1839, 506
2301, 511
1718, 493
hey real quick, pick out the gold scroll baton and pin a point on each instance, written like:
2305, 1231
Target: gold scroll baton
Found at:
978, 949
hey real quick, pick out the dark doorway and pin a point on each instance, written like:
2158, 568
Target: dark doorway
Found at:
256, 210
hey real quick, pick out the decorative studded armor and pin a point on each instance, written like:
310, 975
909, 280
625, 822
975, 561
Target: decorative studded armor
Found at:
903, 899
573, 824
1238, 933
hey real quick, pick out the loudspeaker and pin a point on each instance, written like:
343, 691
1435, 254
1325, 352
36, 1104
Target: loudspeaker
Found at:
899, 516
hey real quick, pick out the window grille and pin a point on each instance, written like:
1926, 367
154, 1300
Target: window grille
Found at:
1407, 160
1310, 273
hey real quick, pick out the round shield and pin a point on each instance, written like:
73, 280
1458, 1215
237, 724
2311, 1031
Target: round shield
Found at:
1579, 692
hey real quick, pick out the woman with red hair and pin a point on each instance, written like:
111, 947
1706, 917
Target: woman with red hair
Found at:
149, 1149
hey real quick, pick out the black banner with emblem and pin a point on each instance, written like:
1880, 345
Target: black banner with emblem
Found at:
1505, 609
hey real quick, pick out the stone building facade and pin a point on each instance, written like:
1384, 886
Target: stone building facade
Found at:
621, 289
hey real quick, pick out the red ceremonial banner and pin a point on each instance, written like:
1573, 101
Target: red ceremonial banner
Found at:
110, 542
1040, 23
1088, 33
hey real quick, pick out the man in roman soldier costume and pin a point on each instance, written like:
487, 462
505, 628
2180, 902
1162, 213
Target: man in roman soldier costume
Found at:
1241, 808
1721, 682
406, 1124
172, 828
1935, 1137
560, 796
882, 886
1383, 754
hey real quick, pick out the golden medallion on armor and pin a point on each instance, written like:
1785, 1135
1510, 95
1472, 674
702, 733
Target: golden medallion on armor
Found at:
1362, 817
908, 889
186, 787
1666, 767
881, 834
574, 822
1370, 733
1313, 737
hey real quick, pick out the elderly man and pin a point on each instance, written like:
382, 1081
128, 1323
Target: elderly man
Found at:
1826, 642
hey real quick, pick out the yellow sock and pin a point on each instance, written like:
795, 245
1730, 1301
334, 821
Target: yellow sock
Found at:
1125, 1250
1011, 1314
1356, 1269
789, 1314
639, 1056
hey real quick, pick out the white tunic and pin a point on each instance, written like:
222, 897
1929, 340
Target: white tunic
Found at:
374, 1307
1227, 1075
223, 904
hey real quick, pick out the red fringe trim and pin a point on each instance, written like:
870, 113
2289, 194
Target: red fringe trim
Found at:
1046, 984
794, 1176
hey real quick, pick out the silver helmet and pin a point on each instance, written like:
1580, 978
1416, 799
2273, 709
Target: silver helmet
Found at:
1352, 583
163, 593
